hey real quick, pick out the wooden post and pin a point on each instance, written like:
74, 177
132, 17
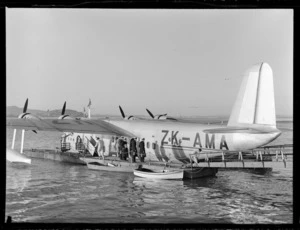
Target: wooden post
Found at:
240, 156
223, 159
260, 154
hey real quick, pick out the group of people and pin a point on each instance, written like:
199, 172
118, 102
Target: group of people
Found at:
122, 149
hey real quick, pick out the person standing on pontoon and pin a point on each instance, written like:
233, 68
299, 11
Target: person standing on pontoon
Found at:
133, 150
100, 147
117, 146
142, 153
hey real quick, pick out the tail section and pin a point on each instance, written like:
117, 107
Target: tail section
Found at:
255, 102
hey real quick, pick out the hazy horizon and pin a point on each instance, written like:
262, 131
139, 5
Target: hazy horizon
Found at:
180, 62
147, 115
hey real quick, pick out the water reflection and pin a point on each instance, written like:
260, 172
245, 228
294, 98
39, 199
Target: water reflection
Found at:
18, 176
156, 183
200, 182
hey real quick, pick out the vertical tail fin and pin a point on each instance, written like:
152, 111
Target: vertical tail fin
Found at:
255, 102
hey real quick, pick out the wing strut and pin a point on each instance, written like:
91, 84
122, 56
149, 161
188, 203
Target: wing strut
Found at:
14, 138
22, 141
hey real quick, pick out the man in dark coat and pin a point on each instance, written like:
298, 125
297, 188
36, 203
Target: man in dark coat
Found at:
133, 150
142, 152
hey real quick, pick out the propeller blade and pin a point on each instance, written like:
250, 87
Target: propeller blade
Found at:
123, 114
150, 113
164, 114
63, 109
25, 106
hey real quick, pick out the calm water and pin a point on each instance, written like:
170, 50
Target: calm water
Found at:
49, 191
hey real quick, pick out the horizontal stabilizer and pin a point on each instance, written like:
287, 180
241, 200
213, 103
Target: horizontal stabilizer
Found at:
253, 129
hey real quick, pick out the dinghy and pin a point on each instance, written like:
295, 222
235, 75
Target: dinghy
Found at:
165, 174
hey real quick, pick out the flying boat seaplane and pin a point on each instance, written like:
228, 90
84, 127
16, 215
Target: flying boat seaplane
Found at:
252, 124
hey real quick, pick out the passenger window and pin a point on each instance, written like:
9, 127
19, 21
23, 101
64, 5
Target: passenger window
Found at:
148, 145
153, 145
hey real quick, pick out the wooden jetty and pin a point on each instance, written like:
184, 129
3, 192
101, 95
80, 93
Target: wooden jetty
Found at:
266, 157
263, 157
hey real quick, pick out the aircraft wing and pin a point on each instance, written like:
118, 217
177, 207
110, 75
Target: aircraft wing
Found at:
96, 126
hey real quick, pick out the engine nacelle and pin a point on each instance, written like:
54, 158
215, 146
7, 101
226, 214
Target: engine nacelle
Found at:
160, 117
66, 117
130, 118
28, 116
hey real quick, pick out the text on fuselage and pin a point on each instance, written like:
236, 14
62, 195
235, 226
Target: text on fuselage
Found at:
172, 137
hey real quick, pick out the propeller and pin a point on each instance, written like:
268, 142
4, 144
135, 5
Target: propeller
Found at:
63, 115
123, 115
26, 115
122, 112
151, 115
63, 109
25, 106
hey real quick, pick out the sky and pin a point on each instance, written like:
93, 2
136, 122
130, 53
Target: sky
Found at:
180, 62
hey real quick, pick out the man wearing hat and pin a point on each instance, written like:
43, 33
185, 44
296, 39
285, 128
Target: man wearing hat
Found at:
142, 152
133, 150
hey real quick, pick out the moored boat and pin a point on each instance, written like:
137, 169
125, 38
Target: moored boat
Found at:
165, 174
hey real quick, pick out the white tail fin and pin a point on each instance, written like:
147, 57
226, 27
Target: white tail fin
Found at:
255, 102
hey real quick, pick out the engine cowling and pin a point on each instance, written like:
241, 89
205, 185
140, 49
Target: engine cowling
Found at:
161, 117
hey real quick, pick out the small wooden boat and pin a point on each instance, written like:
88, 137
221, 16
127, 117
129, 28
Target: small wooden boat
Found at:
165, 174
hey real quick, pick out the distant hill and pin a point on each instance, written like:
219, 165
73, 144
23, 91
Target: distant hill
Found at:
14, 111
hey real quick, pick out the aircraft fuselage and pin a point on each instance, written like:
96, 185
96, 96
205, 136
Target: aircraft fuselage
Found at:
175, 141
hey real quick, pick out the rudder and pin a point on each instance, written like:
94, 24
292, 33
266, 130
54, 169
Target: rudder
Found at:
255, 102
